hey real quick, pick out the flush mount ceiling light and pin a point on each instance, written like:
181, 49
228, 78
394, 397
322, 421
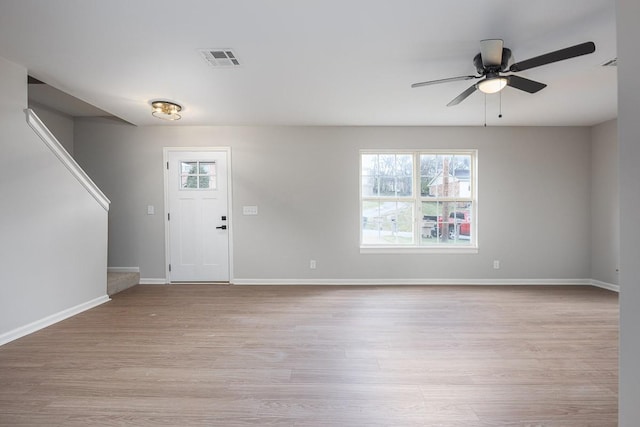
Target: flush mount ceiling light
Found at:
166, 110
492, 85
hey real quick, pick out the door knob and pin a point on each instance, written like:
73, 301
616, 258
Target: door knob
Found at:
222, 227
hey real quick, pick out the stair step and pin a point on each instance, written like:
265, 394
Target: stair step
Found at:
117, 282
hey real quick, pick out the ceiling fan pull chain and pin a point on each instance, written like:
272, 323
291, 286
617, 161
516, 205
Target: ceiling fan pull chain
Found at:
485, 110
500, 112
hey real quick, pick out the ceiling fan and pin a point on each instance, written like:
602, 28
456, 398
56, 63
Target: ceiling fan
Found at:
494, 59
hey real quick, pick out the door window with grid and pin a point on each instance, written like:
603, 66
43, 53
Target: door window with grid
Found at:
196, 175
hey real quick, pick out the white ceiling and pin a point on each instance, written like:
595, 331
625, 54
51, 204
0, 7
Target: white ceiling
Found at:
314, 62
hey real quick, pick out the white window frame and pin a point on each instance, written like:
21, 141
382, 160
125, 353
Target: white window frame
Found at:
417, 200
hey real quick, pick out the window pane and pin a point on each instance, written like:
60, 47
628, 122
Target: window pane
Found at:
446, 223
434, 228
461, 219
386, 164
404, 221
438, 180
189, 181
404, 165
391, 186
370, 216
387, 186
207, 168
387, 175
404, 186
428, 173
370, 164
370, 186
387, 223
460, 176
188, 168
445, 175
207, 182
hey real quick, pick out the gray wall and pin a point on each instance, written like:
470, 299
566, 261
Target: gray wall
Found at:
629, 146
52, 231
605, 202
534, 194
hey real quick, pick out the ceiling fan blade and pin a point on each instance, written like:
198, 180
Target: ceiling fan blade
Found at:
558, 55
462, 96
526, 85
491, 52
450, 79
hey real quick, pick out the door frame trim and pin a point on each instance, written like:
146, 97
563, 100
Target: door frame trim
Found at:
167, 236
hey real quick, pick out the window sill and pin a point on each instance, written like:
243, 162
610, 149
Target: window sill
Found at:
417, 250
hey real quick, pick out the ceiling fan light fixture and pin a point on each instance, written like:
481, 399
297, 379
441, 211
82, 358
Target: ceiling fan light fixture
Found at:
166, 110
492, 85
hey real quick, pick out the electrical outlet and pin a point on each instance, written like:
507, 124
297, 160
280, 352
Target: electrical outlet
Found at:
496, 264
312, 264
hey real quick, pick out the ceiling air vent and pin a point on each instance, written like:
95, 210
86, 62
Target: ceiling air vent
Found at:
220, 58
611, 63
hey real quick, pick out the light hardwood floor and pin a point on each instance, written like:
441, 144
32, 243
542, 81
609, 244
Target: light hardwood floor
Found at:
215, 355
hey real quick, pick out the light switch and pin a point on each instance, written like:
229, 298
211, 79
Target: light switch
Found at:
151, 210
249, 210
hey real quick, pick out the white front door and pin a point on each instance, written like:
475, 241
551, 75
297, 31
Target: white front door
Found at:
198, 217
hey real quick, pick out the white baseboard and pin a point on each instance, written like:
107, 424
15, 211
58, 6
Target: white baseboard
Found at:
605, 285
147, 281
123, 269
416, 282
50, 320
393, 282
